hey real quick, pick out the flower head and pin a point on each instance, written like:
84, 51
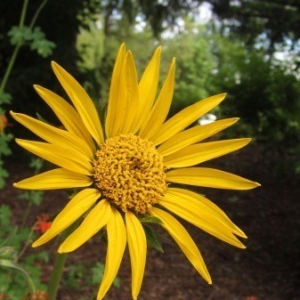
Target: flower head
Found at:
127, 169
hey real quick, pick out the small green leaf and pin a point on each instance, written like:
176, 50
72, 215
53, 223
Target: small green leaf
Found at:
97, 274
36, 163
37, 34
151, 239
5, 98
19, 35
43, 47
151, 219
8, 252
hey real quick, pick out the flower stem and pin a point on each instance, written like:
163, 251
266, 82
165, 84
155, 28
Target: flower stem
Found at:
56, 275
38, 11
16, 50
58, 266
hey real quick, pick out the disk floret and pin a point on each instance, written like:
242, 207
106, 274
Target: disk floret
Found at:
130, 173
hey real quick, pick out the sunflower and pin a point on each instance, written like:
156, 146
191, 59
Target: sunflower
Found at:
132, 167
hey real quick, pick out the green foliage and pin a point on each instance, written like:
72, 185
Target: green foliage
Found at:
253, 18
193, 67
151, 237
76, 273
17, 273
264, 96
39, 43
4, 99
4, 151
97, 274
97, 53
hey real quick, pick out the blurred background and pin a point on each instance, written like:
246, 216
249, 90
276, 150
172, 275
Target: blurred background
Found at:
247, 48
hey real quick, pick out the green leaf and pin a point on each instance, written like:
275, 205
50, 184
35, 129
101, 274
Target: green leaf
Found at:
43, 47
151, 219
12, 265
97, 274
8, 252
5, 98
151, 238
5, 214
19, 35
36, 163
37, 34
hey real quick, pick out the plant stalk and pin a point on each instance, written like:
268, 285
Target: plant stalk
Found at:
56, 275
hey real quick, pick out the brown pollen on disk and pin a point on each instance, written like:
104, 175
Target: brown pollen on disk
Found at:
130, 173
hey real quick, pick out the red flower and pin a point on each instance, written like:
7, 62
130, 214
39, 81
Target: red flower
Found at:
42, 223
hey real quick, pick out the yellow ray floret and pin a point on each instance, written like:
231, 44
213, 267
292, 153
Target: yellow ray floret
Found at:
198, 153
79, 204
55, 179
193, 135
66, 113
82, 102
116, 234
191, 207
212, 178
161, 107
69, 159
137, 245
94, 221
184, 241
148, 89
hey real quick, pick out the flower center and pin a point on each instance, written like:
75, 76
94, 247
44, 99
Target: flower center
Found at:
130, 173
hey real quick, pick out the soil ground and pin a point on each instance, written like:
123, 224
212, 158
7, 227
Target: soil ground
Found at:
269, 269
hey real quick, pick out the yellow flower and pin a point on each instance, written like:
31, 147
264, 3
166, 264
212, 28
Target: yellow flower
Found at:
126, 171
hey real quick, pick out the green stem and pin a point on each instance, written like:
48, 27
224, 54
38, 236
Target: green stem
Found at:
16, 50
9, 68
58, 267
26, 244
56, 275
38, 11
12, 265
23, 13
20, 43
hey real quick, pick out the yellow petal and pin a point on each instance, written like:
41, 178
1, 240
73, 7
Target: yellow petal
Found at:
186, 117
184, 241
198, 153
192, 209
137, 245
210, 178
53, 135
76, 207
193, 135
129, 116
213, 208
124, 99
161, 107
53, 180
94, 221
116, 235
82, 102
69, 159
148, 87
66, 114
116, 94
